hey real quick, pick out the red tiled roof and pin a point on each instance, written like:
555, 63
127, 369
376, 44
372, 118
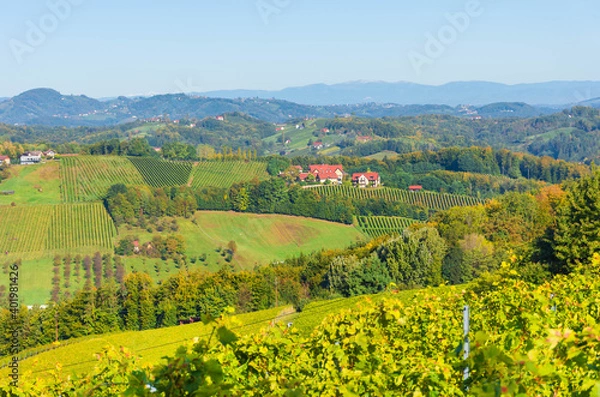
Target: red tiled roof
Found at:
2, 158
415, 187
372, 176
326, 171
303, 176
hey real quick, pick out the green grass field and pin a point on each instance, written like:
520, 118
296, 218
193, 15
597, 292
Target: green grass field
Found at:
36, 233
260, 239
32, 184
383, 154
151, 346
300, 138
225, 174
551, 134
35, 280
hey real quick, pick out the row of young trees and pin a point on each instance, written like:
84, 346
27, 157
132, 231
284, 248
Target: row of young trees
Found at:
134, 205
88, 271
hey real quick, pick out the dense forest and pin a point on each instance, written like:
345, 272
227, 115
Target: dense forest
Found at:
570, 135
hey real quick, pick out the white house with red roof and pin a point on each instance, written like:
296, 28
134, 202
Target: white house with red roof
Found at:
4, 160
323, 173
331, 173
318, 145
366, 179
29, 158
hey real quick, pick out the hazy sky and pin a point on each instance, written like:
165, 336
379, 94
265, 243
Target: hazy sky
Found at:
127, 47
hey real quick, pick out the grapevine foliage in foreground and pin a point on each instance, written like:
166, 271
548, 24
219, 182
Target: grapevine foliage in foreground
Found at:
542, 341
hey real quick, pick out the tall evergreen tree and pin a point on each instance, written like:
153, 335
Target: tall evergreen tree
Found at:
577, 235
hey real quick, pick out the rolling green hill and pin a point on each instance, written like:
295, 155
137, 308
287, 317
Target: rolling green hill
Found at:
36, 233
225, 174
77, 356
88, 178
260, 239
32, 184
432, 200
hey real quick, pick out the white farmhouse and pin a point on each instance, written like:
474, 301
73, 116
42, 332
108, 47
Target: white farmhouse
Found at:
29, 158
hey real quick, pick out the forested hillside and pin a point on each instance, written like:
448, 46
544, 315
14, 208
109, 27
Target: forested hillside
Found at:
570, 135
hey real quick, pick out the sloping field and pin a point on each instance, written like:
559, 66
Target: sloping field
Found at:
162, 173
32, 184
63, 227
225, 174
88, 178
433, 200
375, 226
260, 239
24, 228
80, 226
78, 355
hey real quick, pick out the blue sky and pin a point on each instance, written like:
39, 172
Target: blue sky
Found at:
128, 47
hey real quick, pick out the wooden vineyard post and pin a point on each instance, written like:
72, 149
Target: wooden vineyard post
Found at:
467, 347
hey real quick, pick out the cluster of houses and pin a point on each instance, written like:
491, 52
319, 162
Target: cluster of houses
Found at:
334, 175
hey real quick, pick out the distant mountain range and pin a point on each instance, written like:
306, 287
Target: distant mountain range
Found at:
556, 93
45, 106
595, 103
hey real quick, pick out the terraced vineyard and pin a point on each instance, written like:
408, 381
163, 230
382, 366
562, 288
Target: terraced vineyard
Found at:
433, 200
225, 174
80, 225
162, 173
376, 226
24, 229
64, 227
87, 178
